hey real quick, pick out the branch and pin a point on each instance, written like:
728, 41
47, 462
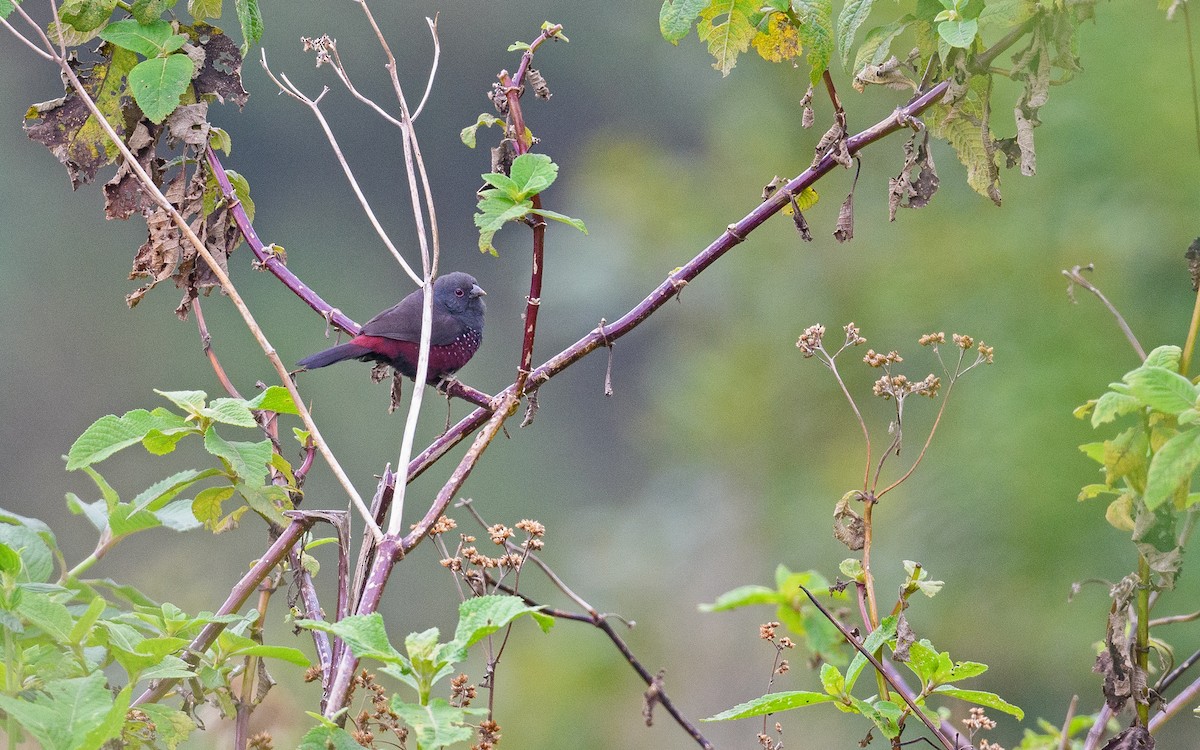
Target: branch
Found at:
1075, 274
237, 597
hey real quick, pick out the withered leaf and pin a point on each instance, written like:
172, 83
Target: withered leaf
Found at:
845, 220
833, 143
67, 127
1132, 738
188, 124
124, 194
220, 76
808, 118
848, 527
905, 637
397, 392
800, 222
1192, 255
888, 73
540, 88
161, 255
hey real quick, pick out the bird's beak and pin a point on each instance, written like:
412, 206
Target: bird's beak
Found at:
477, 291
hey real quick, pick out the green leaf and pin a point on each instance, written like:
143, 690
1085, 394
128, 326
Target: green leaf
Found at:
110, 434
959, 34
232, 411
743, 596
833, 681
364, 634
207, 505
154, 39
1173, 465
505, 184
7, 6
148, 11
171, 726
328, 738
563, 218
874, 641
676, 17
276, 399
84, 16
959, 671
725, 26
772, 703
191, 402
248, 461
46, 613
437, 724
854, 12
10, 561
157, 495
816, 33
1112, 405
202, 10
1168, 356
964, 126
923, 660
158, 83
250, 19
981, 698
533, 173
470, 134
283, 653
483, 615
37, 559
1161, 389
71, 714
267, 500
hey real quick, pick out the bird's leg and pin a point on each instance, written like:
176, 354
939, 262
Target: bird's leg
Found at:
443, 387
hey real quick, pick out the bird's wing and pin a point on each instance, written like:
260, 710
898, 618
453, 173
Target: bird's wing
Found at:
402, 322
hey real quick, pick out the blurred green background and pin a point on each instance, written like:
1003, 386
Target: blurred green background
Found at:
722, 452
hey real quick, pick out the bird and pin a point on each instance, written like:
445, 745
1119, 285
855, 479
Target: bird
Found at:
393, 336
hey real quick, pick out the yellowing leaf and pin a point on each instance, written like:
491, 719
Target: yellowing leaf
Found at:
729, 36
779, 42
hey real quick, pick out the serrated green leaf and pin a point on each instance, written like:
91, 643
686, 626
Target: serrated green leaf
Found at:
232, 411
922, 660
959, 671
505, 184
981, 698
171, 726
533, 173
877, 637
964, 126
816, 33
833, 680
562, 218
37, 559
70, 714
157, 84
1112, 405
365, 635
1161, 389
267, 500
772, 703
883, 714
251, 22
1168, 356
328, 737
854, 12
742, 596
676, 17
7, 7
958, 33
84, 16
110, 434
283, 653
206, 507
437, 723
147, 11
45, 613
725, 26
246, 460
10, 561
202, 10
189, 401
1172, 466
1127, 455
154, 39
276, 399
157, 495
483, 615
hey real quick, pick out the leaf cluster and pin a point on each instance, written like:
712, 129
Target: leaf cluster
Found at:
76, 649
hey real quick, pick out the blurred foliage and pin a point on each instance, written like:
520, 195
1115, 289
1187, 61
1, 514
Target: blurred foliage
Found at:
670, 492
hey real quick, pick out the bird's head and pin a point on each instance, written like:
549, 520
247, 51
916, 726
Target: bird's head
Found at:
459, 293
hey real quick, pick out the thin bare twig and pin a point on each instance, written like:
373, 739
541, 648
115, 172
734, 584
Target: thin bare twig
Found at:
1075, 275
314, 105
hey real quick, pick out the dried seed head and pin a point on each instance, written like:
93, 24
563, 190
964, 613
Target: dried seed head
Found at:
810, 340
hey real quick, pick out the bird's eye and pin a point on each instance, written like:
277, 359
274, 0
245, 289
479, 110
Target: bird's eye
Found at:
459, 292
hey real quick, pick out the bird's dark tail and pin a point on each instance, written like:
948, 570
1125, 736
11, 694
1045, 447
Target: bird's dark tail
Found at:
332, 355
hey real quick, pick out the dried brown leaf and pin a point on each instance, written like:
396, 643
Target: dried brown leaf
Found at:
845, 220
220, 76
848, 527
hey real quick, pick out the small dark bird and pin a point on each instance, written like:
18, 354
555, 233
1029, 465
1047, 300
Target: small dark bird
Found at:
393, 336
